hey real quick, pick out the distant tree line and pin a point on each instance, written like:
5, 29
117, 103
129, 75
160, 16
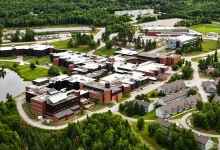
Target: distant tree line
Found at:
28, 36
145, 18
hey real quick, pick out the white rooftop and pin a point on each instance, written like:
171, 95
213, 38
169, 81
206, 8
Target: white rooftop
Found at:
59, 78
34, 47
57, 98
150, 66
126, 52
40, 79
80, 78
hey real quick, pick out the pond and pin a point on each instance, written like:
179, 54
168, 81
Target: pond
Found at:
12, 84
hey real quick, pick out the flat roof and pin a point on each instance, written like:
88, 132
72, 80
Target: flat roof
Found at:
34, 47
150, 66
40, 79
126, 52
80, 78
162, 28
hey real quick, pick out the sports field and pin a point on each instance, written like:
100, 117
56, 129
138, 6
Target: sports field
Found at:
206, 28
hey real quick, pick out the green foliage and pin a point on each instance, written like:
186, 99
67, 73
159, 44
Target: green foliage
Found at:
153, 127
53, 71
150, 45
211, 97
37, 63
131, 108
200, 105
195, 46
140, 124
109, 44
32, 66
145, 18
218, 88
174, 78
161, 93
29, 35
142, 97
175, 67
187, 72
192, 92
200, 120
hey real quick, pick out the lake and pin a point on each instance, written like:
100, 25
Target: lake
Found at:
12, 84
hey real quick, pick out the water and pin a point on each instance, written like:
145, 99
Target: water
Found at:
12, 84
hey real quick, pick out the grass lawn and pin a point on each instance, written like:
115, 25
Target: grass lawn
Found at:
8, 58
78, 115
148, 116
180, 115
145, 137
24, 71
27, 108
203, 75
196, 59
209, 45
104, 51
41, 60
154, 91
99, 106
206, 28
63, 45
26, 58
125, 96
214, 139
16, 44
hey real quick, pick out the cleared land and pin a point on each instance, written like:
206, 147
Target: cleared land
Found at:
105, 52
145, 137
24, 71
63, 45
206, 28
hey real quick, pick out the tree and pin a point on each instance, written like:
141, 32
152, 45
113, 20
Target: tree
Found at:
218, 88
202, 64
37, 63
161, 136
211, 97
92, 44
153, 127
187, 72
142, 110
53, 71
121, 107
136, 108
200, 120
199, 105
192, 92
109, 44
216, 56
211, 118
32, 66
140, 124
179, 145
98, 41
29, 35
15, 65
175, 67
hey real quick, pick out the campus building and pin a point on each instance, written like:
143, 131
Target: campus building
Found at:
176, 42
162, 31
135, 12
32, 50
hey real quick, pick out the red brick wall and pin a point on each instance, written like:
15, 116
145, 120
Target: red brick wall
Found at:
107, 96
152, 33
163, 61
167, 68
175, 60
119, 96
71, 66
169, 61
27, 88
112, 59
51, 50
152, 74
161, 79
127, 89
56, 61
81, 86
159, 71
37, 107
93, 95
114, 97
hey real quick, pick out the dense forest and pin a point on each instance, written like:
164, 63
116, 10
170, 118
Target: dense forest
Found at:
104, 131
23, 13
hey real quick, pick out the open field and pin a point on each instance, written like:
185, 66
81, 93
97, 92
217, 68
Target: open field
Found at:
125, 96
208, 46
196, 59
26, 58
155, 91
145, 137
206, 28
24, 71
63, 45
104, 51
203, 75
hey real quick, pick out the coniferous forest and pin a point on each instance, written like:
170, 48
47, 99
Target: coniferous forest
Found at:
26, 13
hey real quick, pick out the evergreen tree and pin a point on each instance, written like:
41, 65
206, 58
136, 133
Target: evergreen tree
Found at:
32, 66
136, 108
216, 56
140, 124
142, 110
179, 145
218, 88
199, 105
